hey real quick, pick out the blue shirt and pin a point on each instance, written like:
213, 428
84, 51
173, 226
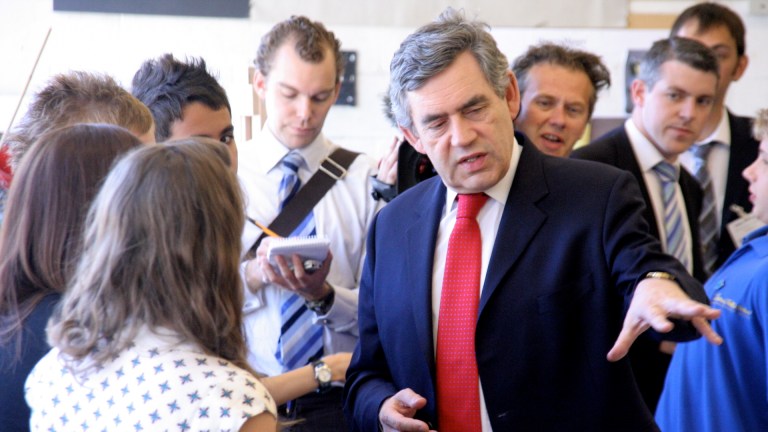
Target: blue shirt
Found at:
723, 388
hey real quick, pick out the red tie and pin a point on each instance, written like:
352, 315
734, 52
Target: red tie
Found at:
458, 394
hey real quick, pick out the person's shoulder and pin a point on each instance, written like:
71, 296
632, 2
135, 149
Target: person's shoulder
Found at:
230, 385
602, 145
741, 131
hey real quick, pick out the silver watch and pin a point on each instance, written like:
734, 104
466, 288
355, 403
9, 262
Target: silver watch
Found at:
323, 375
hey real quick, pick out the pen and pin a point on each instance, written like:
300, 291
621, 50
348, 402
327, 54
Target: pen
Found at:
266, 230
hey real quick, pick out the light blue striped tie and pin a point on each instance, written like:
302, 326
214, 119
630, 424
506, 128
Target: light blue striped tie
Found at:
708, 229
300, 341
677, 244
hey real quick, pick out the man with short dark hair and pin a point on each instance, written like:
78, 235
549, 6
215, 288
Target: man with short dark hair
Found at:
726, 145
185, 100
672, 96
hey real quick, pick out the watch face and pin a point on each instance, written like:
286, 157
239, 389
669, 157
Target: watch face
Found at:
323, 374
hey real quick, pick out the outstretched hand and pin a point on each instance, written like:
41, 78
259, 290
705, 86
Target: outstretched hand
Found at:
656, 301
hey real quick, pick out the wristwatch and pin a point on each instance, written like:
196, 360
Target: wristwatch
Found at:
323, 375
382, 191
321, 306
659, 275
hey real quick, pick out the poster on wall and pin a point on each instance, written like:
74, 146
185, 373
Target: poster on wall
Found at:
202, 8
634, 57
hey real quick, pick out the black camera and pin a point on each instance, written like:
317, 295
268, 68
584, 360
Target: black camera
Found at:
412, 167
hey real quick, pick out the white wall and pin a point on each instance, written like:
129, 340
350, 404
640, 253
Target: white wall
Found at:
117, 44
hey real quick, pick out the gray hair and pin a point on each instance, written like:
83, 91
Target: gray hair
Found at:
687, 51
432, 48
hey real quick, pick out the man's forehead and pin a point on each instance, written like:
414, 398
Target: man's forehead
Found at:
692, 29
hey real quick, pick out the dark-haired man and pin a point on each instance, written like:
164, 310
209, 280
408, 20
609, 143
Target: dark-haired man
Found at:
185, 100
726, 145
673, 97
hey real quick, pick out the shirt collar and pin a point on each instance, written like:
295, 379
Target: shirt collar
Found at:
271, 151
758, 233
647, 155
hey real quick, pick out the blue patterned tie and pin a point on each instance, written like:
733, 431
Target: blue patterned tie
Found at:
673, 218
708, 229
300, 341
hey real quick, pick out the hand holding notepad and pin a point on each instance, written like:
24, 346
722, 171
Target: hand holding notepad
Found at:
312, 250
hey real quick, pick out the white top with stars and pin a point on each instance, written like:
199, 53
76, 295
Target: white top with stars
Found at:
156, 384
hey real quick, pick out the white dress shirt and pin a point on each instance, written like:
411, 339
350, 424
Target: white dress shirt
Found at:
488, 219
343, 216
647, 157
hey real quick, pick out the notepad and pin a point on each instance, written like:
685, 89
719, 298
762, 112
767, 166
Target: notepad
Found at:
308, 248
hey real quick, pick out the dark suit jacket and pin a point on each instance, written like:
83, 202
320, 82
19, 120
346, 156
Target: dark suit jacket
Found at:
744, 150
570, 248
614, 149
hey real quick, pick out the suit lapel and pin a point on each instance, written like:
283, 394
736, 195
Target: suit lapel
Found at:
421, 235
520, 220
626, 160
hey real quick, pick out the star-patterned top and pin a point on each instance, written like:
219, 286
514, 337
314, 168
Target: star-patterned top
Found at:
157, 384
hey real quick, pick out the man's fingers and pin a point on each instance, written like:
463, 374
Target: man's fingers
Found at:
632, 328
687, 308
397, 412
621, 346
702, 325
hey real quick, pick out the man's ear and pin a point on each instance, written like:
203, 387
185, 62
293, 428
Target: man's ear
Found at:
512, 96
637, 91
259, 84
413, 139
741, 66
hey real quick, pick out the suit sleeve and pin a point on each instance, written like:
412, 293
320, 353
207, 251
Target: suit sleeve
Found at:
369, 381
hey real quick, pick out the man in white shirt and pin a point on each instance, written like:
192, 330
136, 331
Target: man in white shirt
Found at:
673, 97
726, 140
299, 69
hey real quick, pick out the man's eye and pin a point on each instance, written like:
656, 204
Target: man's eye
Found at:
227, 139
436, 125
321, 97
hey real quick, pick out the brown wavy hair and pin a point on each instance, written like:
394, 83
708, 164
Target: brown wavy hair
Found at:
41, 236
76, 97
161, 249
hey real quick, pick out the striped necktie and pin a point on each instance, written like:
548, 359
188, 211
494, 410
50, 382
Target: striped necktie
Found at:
677, 244
300, 341
708, 227
458, 392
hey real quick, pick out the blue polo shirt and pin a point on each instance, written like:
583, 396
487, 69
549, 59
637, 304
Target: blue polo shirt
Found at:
725, 388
